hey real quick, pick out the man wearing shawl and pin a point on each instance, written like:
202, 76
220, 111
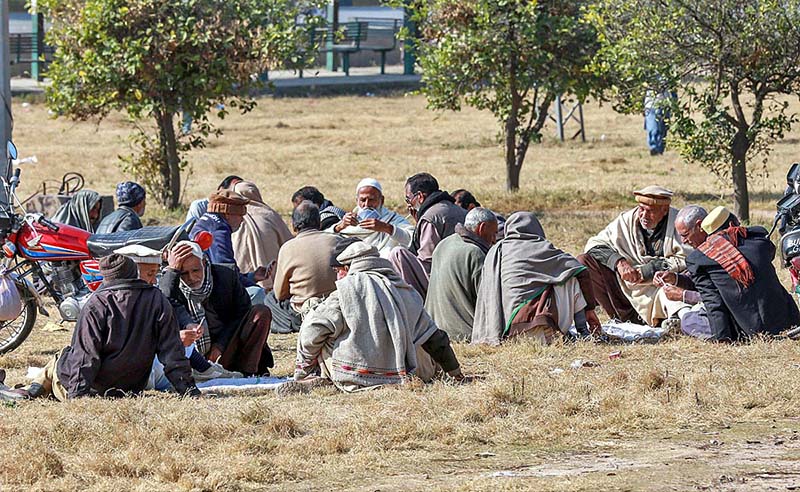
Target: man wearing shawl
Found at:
456, 272
81, 211
373, 223
261, 235
234, 332
733, 271
624, 258
531, 288
437, 216
373, 329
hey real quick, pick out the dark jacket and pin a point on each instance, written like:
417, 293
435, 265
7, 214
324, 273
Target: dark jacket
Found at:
226, 308
121, 219
123, 327
440, 210
221, 250
735, 312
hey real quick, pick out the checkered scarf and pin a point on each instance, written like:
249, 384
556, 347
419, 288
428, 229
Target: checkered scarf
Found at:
722, 248
195, 299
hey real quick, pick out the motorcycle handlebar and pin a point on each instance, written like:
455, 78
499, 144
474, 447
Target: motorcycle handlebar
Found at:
50, 225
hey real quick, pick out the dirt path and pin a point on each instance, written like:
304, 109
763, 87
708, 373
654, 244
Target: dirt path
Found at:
740, 457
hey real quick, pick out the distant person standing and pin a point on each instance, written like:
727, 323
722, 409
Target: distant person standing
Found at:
656, 112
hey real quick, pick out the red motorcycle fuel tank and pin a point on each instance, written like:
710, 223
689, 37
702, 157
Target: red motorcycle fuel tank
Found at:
37, 242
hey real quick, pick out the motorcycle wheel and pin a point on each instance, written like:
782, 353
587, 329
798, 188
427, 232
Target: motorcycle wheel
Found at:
14, 332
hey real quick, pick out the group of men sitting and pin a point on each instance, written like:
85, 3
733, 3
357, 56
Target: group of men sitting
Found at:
376, 299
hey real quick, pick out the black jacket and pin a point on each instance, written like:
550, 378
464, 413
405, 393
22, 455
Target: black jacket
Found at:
738, 313
123, 327
121, 219
226, 308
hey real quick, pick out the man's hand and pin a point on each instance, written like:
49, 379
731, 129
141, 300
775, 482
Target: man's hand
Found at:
349, 219
377, 225
663, 278
628, 273
673, 293
191, 334
264, 272
592, 321
178, 256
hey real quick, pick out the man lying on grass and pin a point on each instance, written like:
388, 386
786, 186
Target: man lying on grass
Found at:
125, 324
373, 330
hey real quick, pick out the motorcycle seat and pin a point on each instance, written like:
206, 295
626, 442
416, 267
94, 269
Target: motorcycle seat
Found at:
152, 237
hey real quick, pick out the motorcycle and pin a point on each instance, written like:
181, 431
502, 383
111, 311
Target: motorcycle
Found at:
46, 259
788, 216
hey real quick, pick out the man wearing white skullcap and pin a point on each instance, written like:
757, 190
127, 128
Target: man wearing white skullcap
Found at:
373, 223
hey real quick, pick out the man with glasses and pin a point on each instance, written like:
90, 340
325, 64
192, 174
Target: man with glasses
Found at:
437, 216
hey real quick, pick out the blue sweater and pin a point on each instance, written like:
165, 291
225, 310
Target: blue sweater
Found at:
221, 250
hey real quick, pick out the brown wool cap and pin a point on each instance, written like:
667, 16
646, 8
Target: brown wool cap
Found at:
653, 195
117, 267
227, 202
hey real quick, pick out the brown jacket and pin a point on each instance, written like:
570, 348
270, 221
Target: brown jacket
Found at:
120, 331
304, 267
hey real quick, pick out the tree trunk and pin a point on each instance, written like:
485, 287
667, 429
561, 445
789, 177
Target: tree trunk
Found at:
170, 162
512, 168
741, 197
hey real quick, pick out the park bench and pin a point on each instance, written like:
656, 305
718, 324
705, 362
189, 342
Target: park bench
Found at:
22, 47
359, 35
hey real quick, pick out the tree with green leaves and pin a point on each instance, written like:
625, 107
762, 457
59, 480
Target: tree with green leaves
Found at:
511, 57
731, 61
156, 59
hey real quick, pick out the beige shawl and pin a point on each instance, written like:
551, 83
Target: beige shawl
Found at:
623, 235
261, 235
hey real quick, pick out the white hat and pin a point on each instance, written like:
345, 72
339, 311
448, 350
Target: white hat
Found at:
358, 249
369, 182
140, 254
196, 249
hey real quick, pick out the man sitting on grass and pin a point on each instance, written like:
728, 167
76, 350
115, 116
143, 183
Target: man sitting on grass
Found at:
234, 332
125, 324
371, 331
624, 258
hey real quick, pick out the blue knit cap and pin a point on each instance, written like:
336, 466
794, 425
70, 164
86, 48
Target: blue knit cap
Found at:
129, 193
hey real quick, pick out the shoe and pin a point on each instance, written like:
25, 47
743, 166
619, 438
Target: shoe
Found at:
2, 376
671, 325
216, 371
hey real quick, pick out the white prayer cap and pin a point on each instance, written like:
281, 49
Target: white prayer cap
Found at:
140, 254
196, 249
369, 182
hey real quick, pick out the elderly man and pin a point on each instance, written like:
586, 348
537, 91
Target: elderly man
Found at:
210, 300
131, 203
624, 258
437, 216
372, 330
303, 276
329, 214
125, 324
733, 271
373, 223
531, 288
456, 274
226, 211
199, 207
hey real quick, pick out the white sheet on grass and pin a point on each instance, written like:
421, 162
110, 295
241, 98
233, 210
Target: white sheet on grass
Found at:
240, 384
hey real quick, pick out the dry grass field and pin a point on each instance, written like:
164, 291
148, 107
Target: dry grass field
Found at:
681, 415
